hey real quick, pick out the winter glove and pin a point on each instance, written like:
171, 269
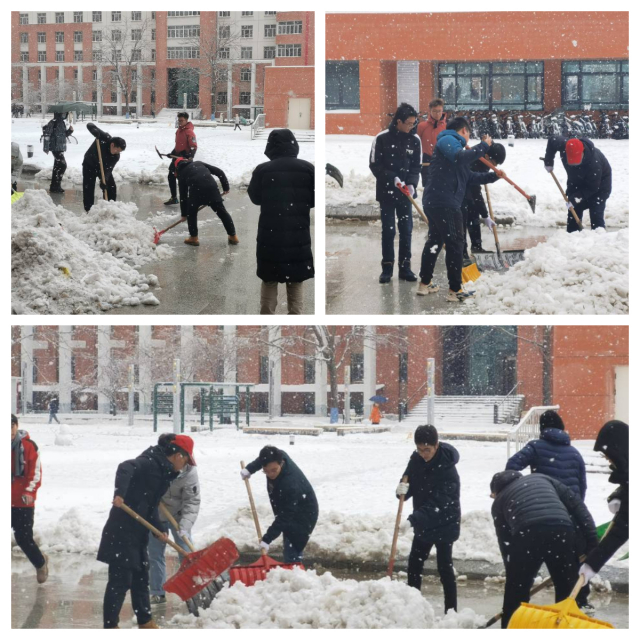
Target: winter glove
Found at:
27, 499
614, 506
103, 186
244, 474
548, 168
586, 571
569, 205
489, 222
264, 545
402, 489
183, 533
398, 183
410, 519
412, 190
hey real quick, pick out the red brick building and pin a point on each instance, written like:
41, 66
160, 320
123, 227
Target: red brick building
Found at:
531, 61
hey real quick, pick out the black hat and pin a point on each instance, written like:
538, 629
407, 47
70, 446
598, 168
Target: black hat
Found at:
119, 142
270, 454
426, 434
14, 419
497, 153
551, 420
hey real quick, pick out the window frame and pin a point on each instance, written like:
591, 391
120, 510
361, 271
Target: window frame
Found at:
58, 14
96, 16
76, 15
271, 27
620, 73
341, 105
284, 48
41, 17
289, 27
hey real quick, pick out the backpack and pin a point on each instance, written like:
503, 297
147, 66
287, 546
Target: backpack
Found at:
45, 138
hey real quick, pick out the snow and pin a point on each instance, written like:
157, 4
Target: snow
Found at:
68, 263
63, 437
571, 273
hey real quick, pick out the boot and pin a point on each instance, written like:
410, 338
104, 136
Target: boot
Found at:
405, 273
148, 625
56, 188
193, 241
387, 272
233, 239
477, 248
171, 201
43, 572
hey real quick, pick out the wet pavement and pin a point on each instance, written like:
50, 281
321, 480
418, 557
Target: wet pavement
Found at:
72, 597
353, 255
214, 278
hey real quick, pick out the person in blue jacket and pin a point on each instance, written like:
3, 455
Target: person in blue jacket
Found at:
449, 174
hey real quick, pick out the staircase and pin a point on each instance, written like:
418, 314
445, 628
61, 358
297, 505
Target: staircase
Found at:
301, 135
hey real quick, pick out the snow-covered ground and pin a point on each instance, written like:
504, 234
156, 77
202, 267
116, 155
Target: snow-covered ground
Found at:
234, 152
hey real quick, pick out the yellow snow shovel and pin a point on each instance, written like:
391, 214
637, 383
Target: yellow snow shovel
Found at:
562, 615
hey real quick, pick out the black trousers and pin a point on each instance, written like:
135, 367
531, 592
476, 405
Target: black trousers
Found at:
528, 550
171, 178
445, 227
444, 558
389, 211
596, 205
237, 126
59, 167
22, 525
89, 186
473, 208
121, 580
218, 206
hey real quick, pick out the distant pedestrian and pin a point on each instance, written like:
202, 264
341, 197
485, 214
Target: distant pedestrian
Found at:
185, 147
428, 131
236, 120
375, 416
53, 410
55, 134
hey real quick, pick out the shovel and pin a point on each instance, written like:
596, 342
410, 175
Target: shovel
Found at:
250, 574
104, 191
396, 531
165, 155
564, 195
334, 172
158, 234
198, 569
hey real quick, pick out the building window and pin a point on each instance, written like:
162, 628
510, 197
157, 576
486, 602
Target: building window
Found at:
24, 38
94, 96
180, 14
77, 36
222, 97
153, 34
94, 75
246, 53
245, 97
342, 85
59, 36
136, 35
357, 367
184, 31
289, 27
77, 56
153, 55
57, 74
270, 13
153, 74
153, 15
289, 50
136, 55
75, 74
96, 36
153, 97
42, 56
24, 56
42, 18
78, 16
116, 35
133, 97
116, 16
246, 31
96, 56
247, 13
269, 30
264, 369
42, 37
114, 98
24, 18
593, 84
59, 17
485, 85
309, 371
269, 52
97, 16
224, 14
182, 53
59, 56
136, 16
224, 53
224, 32
245, 75
223, 74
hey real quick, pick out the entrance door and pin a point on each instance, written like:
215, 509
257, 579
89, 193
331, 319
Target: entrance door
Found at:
183, 81
299, 113
622, 394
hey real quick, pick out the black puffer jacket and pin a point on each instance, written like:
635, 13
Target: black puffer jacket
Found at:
526, 503
435, 489
613, 440
91, 161
284, 189
294, 504
196, 183
141, 483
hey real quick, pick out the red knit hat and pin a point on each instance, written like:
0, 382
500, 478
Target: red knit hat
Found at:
574, 150
186, 444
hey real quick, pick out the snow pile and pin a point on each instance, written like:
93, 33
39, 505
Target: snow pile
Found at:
573, 273
121, 174
69, 535
63, 437
300, 599
55, 272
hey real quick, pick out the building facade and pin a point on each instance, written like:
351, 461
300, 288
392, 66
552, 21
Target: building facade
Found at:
211, 62
583, 369
526, 61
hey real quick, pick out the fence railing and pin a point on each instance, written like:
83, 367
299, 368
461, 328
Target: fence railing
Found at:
527, 429
257, 125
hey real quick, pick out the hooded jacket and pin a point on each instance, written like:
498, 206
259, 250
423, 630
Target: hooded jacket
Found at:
553, 455
141, 482
183, 498
435, 489
592, 176
395, 154
26, 470
450, 171
186, 145
294, 504
613, 440
526, 503
284, 189
91, 160
428, 131
197, 185
58, 134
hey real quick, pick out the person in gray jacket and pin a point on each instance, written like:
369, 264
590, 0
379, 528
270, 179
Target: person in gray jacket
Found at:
183, 501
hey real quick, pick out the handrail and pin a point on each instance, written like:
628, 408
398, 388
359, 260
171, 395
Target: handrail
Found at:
257, 125
528, 428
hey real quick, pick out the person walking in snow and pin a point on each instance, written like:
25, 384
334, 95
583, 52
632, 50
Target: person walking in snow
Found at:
588, 177
140, 484
236, 121
110, 149
185, 147
535, 517
293, 501
428, 131
53, 410
395, 161
26, 478
613, 443
449, 175
284, 189
182, 499
55, 134
198, 189
434, 485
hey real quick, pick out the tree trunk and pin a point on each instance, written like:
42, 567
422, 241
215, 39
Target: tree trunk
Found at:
333, 383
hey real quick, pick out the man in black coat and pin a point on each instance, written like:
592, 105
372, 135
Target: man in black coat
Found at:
395, 161
613, 442
434, 485
293, 501
284, 189
535, 518
110, 149
140, 484
199, 189
56, 133
588, 177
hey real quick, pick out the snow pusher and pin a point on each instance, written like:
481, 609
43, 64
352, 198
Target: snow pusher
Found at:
252, 573
564, 195
198, 570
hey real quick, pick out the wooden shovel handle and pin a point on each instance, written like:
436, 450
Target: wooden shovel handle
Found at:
174, 524
566, 199
253, 508
151, 528
495, 228
104, 192
396, 531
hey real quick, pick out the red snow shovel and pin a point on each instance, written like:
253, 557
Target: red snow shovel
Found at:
158, 234
250, 574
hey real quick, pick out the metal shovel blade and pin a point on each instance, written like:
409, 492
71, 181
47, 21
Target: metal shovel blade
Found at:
335, 173
491, 261
532, 203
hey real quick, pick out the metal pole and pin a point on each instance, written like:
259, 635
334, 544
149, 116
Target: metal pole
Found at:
431, 400
272, 412
23, 394
176, 395
132, 376
347, 395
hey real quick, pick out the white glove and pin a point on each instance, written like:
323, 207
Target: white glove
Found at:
614, 506
183, 533
402, 489
264, 545
397, 182
569, 205
412, 191
489, 222
548, 168
586, 571
244, 474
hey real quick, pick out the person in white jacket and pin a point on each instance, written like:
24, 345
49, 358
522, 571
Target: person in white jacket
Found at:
183, 501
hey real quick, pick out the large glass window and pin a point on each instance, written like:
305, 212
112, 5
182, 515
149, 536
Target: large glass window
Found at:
595, 84
492, 85
289, 27
342, 86
289, 50
183, 31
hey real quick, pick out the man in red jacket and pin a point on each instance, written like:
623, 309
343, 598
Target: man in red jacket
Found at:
185, 147
428, 131
26, 477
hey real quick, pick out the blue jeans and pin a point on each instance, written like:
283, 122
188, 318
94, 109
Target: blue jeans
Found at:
290, 553
157, 565
388, 213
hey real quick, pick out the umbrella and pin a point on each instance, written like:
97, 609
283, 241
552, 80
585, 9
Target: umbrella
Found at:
378, 399
79, 107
